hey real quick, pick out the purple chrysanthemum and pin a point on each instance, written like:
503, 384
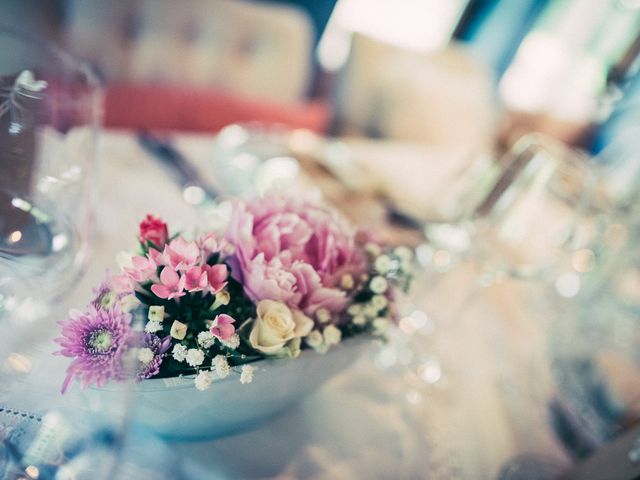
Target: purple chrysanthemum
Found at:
158, 347
97, 341
104, 295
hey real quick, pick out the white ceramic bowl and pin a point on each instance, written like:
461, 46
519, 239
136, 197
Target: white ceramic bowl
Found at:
174, 409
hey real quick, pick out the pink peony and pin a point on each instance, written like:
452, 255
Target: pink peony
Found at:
154, 230
293, 250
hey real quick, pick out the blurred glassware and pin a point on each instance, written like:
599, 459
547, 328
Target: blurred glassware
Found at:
49, 117
254, 157
44, 434
620, 161
50, 109
595, 345
524, 215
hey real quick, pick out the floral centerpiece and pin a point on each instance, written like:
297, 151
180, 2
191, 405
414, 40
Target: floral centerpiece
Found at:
287, 274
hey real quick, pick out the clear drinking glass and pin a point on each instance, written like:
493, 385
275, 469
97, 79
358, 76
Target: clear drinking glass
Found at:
594, 345
50, 109
254, 157
524, 215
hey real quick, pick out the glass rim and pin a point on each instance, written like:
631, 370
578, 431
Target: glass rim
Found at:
68, 59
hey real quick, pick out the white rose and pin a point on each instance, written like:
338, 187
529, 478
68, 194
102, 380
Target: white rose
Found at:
293, 347
276, 325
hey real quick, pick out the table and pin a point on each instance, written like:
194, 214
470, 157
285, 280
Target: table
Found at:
471, 395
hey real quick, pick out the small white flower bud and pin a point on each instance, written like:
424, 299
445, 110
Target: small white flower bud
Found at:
246, 376
195, 357
332, 335
359, 320
221, 366
323, 315
378, 284
203, 380
383, 264
379, 302
153, 327
314, 339
347, 282
206, 339
179, 353
145, 355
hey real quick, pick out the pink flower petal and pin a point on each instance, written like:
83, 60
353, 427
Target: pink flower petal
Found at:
226, 331
169, 277
222, 326
161, 291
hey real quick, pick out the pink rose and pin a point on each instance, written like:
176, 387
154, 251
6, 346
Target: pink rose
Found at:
294, 251
154, 230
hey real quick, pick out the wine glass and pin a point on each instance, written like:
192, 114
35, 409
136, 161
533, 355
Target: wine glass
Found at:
522, 216
595, 345
50, 109
254, 157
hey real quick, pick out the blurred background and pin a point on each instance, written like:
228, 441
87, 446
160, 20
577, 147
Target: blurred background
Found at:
456, 80
426, 70
463, 77
472, 123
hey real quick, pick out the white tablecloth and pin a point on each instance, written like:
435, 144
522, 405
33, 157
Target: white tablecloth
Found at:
376, 419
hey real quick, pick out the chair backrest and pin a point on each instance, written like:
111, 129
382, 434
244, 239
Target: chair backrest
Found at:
260, 50
441, 99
